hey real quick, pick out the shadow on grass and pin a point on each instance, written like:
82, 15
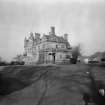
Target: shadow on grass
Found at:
9, 85
14, 78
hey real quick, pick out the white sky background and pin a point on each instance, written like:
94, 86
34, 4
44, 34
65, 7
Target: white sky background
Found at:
83, 20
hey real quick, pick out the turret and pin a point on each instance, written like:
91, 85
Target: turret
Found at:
25, 42
31, 36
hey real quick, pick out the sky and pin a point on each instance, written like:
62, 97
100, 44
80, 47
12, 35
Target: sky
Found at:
83, 20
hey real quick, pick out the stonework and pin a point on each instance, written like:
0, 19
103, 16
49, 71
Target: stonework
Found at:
46, 49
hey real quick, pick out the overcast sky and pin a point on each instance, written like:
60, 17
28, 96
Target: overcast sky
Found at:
83, 20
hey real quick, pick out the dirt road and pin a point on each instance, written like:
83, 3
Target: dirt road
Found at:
51, 85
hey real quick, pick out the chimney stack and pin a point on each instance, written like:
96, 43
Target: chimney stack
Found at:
52, 32
37, 35
66, 37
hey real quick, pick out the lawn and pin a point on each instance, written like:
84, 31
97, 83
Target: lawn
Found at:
47, 85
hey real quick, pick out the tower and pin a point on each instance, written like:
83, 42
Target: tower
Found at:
52, 30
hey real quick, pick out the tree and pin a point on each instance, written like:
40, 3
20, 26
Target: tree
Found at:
76, 52
2, 62
18, 60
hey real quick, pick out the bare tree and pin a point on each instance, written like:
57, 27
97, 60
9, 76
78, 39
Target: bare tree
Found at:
76, 52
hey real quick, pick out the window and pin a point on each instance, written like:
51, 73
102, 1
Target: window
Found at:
56, 46
43, 46
60, 56
30, 49
62, 46
39, 47
34, 49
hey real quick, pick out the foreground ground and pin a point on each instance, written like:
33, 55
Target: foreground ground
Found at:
47, 85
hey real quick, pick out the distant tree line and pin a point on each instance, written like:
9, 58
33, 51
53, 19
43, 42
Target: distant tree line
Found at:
17, 63
4, 63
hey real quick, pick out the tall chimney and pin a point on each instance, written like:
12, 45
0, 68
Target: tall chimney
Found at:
66, 37
52, 32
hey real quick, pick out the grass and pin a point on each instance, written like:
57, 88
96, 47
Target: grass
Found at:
47, 85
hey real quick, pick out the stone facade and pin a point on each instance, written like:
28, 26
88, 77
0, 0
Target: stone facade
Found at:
46, 49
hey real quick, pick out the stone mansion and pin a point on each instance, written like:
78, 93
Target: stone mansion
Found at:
46, 49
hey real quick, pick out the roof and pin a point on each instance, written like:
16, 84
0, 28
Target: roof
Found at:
54, 38
49, 38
